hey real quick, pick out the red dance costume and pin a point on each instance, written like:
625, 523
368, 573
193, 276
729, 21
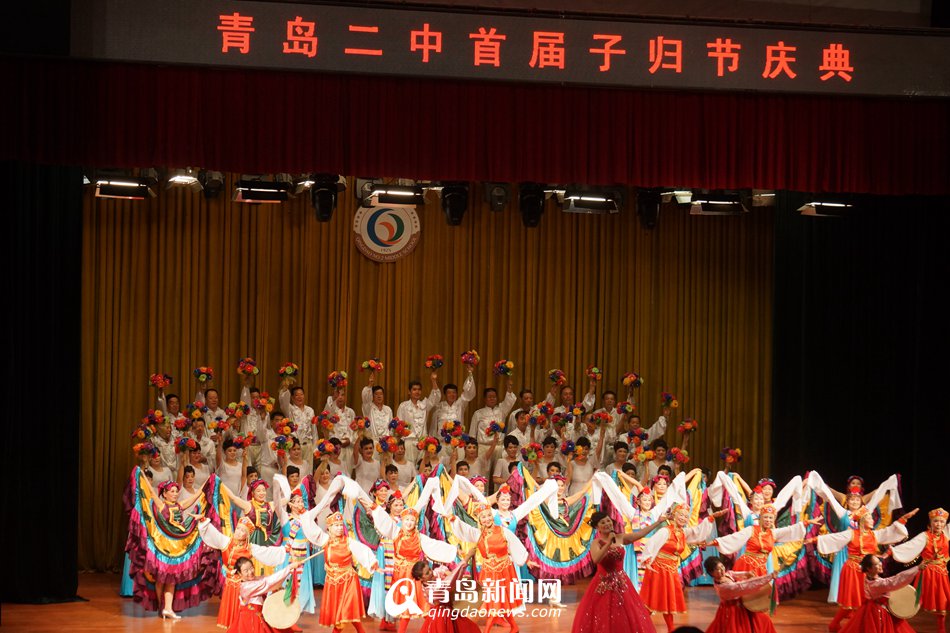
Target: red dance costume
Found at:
342, 600
498, 570
230, 603
407, 551
935, 593
610, 603
440, 620
873, 616
851, 583
757, 551
732, 616
249, 618
662, 588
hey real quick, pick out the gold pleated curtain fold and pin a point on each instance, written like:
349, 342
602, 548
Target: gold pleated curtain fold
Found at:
180, 281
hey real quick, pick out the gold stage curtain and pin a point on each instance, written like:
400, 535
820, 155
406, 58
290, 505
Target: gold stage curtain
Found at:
180, 281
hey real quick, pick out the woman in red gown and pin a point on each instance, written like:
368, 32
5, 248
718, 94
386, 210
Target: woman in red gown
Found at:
873, 616
610, 602
732, 616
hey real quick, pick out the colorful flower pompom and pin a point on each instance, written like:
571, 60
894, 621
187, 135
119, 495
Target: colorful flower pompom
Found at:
536, 417
183, 425
247, 366
281, 444
594, 373
196, 409
154, 417
337, 379
626, 408
504, 368
288, 370
668, 400
494, 427
731, 455
645, 456
218, 425
359, 424
577, 410
434, 362
399, 427
567, 448
470, 358
560, 420
557, 377
237, 409
638, 436
160, 380
326, 420
531, 452
186, 444
688, 425
632, 380
679, 455
429, 445
264, 401
324, 447
204, 374
450, 429
387, 444
243, 441
545, 408
145, 449
372, 364
143, 431
601, 417
580, 451
286, 428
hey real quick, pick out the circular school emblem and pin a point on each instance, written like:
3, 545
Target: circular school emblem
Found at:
385, 234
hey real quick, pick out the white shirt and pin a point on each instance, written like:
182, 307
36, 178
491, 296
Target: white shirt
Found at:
416, 414
306, 469
524, 437
302, 417
341, 430
407, 472
483, 418
230, 475
161, 475
501, 465
379, 417
455, 411
167, 450
366, 473
512, 422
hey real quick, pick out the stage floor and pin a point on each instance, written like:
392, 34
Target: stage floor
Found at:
106, 611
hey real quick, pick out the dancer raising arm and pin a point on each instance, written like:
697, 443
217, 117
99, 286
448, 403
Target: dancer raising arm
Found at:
933, 550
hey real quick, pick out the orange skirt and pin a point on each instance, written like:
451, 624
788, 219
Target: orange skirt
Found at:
342, 600
756, 564
935, 593
402, 568
662, 588
230, 603
500, 574
851, 585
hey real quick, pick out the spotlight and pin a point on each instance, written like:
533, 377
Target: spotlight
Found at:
718, 203
648, 207
184, 178
324, 189
394, 194
258, 191
497, 195
577, 200
531, 202
115, 185
682, 196
454, 201
212, 182
825, 208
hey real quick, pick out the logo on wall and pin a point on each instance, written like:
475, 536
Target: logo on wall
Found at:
385, 234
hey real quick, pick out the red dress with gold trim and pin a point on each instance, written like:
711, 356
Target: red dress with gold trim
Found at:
342, 600
407, 551
935, 593
230, 596
851, 581
497, 570
757, 551
662, 588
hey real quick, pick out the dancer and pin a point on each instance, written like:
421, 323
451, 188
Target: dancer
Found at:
233, 549
294, 540
253, 590
859, 542
873, 616
611, 602
933, 550
267, 528
732, 616
662, 588
759, 540
440, 618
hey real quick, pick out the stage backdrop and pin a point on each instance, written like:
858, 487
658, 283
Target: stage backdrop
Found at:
180, 281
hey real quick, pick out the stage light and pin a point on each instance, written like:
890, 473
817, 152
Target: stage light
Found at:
116, 184
454, 201
648, 207
825, 208
324, 191
401, 195
681, 196
531, 197
259, 191
212, 182
187, 178
717, 203
576, 200
497, 195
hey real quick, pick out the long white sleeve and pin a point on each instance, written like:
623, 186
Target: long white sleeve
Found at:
834, 542
269, 555
893, 533
468, 391
617, 498
700, 533
384, 523
732, 543
464, 531
730, 487
793, 491
506, 405
211, 536
789, 534
519, 555
362, 554
283, 399
654, 544
439, 551
657, 430
889, 485
907, 552
816, 483
536, 498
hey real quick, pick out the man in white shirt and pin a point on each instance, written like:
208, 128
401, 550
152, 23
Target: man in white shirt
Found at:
565, 394
211, 399
375, 409
164, 441
252, 421
491, 412
452, 406
415, 413
609, 402
519, 428
267, 465
527, 401
656, 431
293, 402
366, 468
336, 405
170, 405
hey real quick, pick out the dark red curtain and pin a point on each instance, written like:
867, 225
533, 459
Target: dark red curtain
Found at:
111, 114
